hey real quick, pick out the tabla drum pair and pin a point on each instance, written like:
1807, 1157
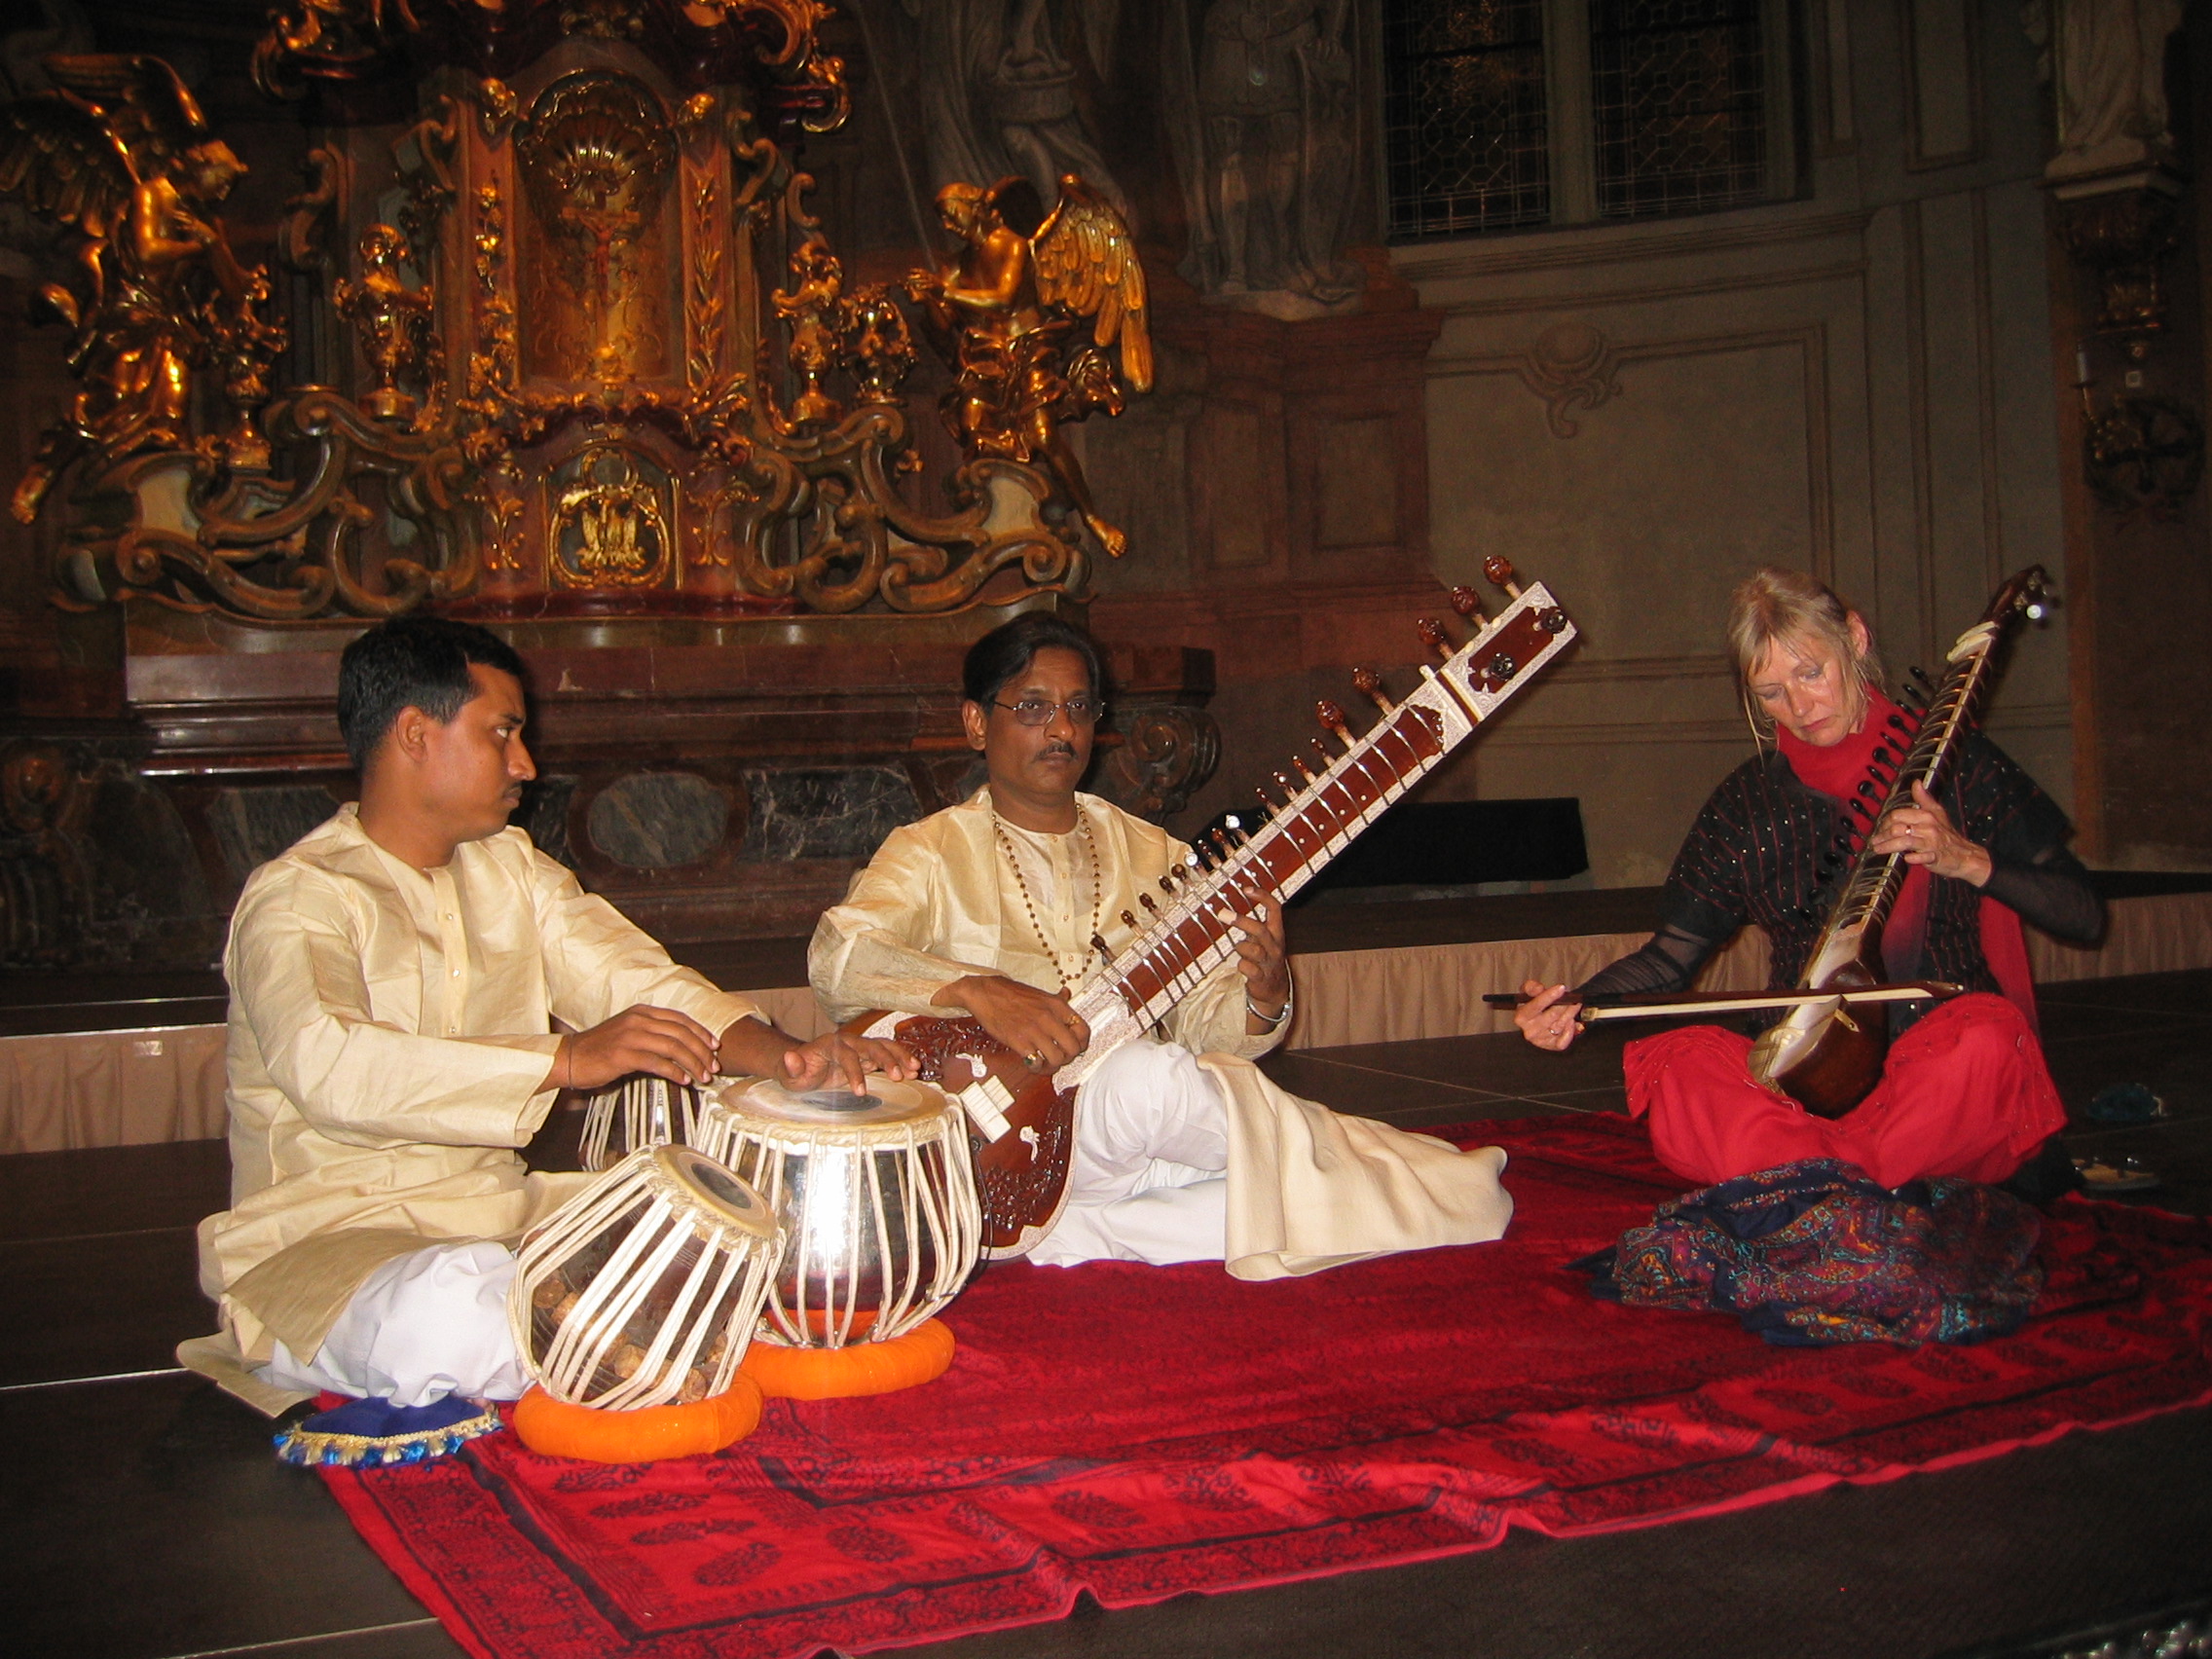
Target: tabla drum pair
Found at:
813, 1220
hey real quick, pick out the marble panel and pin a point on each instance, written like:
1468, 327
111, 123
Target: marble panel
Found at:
252, 825
658, 820
825, 812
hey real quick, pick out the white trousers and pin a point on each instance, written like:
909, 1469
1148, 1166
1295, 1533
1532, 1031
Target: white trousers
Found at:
1145, 1181
1145, 1184
422, 1326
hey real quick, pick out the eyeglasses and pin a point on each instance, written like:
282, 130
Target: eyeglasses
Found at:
1036, 711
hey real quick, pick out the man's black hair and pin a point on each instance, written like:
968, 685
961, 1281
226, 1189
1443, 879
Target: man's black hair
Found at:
412, 662
1009, 648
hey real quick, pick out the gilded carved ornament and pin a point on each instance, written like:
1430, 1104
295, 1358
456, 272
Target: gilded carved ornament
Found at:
121, 157
360, 40
1008, 316
706, 437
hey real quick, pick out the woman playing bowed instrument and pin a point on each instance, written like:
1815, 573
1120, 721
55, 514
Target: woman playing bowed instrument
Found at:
1964, 1089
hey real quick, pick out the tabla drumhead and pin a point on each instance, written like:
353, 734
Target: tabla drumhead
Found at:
707, 1183
885, 1102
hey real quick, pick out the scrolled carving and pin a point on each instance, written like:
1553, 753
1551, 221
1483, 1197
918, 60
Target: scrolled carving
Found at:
358, 40
320, 549
1169, 751
1571, 365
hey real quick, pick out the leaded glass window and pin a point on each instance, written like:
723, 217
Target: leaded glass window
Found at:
1678, 103
1465, 115
1503, 114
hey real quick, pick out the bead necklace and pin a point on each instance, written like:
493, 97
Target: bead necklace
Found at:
1097, 888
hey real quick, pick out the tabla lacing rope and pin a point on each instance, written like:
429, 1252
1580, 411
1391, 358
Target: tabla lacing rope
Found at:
1098, 887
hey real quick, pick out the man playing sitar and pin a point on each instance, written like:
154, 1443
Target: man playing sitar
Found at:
1790, 841
1003, 906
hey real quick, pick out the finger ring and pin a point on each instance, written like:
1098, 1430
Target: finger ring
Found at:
1033, 1060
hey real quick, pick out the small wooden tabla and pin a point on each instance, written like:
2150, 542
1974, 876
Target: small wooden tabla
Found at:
644, 1288
876, 1194
639, 1110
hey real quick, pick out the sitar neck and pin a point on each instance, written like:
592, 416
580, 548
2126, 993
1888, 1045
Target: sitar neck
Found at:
1188, 932
1874, 879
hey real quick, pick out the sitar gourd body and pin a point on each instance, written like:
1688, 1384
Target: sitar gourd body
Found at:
1021, 1124
1822, 1055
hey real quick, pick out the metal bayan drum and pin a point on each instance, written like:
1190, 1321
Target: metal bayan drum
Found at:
644, 1288
876, 1194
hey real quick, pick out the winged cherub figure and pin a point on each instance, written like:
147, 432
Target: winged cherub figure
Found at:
119, 152
1007, 315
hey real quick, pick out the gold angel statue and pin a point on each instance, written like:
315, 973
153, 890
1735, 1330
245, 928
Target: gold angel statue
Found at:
1008, 316
119, 152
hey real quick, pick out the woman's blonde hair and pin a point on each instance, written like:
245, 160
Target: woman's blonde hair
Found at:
1775, 606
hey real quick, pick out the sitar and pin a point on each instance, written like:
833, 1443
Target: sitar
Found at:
1827, 1053
1021, 1124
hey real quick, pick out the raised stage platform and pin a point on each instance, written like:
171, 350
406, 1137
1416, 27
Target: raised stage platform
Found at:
124, 1060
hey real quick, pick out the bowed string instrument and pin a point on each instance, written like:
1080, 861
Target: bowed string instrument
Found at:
1826, 1052
1021, 1126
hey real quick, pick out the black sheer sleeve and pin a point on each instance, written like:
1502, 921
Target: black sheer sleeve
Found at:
2052, 893
1689, 933
2031, 870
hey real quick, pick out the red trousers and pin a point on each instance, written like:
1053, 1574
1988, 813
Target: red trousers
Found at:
1964, 1093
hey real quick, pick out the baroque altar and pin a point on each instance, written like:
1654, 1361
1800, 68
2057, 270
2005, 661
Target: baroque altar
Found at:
580, 363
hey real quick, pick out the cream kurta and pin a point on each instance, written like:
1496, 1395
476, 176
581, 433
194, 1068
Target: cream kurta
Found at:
1306, 1188
939, 900
389, 1038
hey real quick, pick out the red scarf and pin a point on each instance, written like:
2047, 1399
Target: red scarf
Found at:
1837, 771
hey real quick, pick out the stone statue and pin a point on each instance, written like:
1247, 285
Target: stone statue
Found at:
998, 93
119, 152
2107, 60
1005, 315
1260, 105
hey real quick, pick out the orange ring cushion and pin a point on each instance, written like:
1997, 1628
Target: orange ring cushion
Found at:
921, 1355
646, 1435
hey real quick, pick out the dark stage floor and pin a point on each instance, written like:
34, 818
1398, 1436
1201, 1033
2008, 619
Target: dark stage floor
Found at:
145, 1516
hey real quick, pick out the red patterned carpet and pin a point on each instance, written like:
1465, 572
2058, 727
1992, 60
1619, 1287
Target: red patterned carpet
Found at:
1139, 1432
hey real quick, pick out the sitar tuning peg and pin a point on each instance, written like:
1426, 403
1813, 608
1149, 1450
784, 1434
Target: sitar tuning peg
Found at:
1500, 573
1468, 603
1283, 784
1127, 920
1304, 771
1332, 718
1433, 636
1150, 908
1105, 950
1322, 753
1370, 684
